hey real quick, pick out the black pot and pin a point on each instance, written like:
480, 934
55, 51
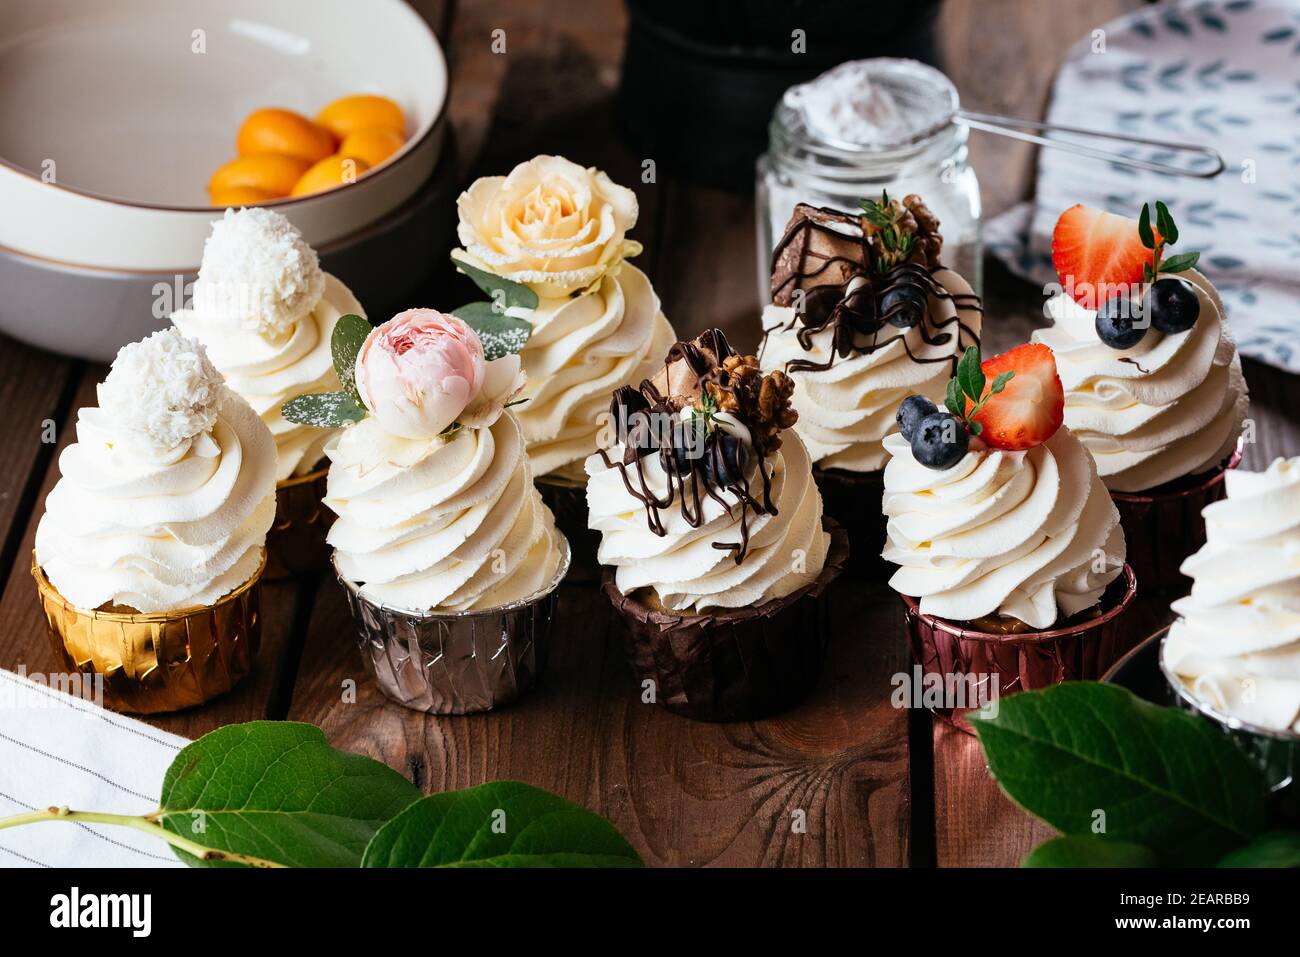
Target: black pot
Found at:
700, 80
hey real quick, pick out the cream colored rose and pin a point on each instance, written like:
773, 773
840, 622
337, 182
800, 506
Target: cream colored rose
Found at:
550, 224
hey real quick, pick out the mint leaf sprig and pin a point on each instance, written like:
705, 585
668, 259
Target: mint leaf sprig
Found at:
1168, 231
969, 382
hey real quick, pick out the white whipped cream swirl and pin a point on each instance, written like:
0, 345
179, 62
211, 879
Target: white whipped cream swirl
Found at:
688, 574
1032, 535
444, 524
1236, 643
158, 530
1169, 407
846, 411
581, 350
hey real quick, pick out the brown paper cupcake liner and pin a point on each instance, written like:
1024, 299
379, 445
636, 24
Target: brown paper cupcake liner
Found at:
1165, 525
456, 662
980, 665
735, 665
158, 662
854, 500
295, 545
567, 501
1276, 753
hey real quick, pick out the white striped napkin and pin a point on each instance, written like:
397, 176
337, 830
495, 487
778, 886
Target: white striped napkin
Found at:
57, 749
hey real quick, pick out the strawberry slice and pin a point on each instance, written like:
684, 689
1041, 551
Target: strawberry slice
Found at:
1030, 407
1095, 253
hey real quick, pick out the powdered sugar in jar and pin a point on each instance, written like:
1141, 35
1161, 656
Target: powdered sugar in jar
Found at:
864, 127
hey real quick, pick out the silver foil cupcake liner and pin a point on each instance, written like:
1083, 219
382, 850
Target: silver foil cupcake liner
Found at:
1276, 753
450, 662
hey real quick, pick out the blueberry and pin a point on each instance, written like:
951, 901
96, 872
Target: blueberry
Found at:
904, 305
1120, 326
940, 440
1173, 305
911, 412
725, 465
640, 433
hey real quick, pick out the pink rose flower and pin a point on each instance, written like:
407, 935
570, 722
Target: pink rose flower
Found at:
417, 372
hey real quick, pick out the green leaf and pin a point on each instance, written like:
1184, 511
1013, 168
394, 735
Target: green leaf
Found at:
498, 824
500, 334
1179, 263
506, 292
1163, 778
345, 345
1001, 381
970, 376
975, 428
1089, 850
278, 791
954, 400
1165, 223
1144, 228
1275, 849
1148, 273
328, 410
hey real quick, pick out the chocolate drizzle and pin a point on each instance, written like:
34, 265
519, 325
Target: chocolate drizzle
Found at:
697, 466
832, 268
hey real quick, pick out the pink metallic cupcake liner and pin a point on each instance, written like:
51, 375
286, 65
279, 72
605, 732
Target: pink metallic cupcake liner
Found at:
985, 665
1162, 528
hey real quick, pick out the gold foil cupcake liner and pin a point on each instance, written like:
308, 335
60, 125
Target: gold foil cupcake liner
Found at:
163, 661
1275, 752
296, 545
456, 662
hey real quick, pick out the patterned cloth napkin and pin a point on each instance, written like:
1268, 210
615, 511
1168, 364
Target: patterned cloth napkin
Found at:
56, 749
1220, 73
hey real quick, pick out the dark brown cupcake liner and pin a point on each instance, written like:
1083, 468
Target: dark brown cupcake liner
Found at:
854, 500
1163, 526
737, 665
984, 666
567, 500
295, 544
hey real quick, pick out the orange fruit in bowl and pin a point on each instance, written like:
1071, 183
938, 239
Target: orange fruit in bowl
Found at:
374, 144
240, 196
351, 113
283, 131
330, 173
274, 173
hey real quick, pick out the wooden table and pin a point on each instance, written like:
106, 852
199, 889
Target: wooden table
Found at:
871, 785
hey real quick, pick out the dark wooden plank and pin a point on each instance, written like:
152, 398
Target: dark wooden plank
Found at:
24, 642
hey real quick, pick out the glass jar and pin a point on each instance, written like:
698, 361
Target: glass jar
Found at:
802, 167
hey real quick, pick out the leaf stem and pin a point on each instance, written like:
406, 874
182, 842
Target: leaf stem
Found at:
144, 823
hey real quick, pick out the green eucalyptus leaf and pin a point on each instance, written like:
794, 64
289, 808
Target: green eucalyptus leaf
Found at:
276, 790
1144, 228
970, 375
1274, 849
500, 334
498, 824
1089, 850
1179, 263
328, 410
345, 345
1165, 223
954, 400
505, 293
1162, 777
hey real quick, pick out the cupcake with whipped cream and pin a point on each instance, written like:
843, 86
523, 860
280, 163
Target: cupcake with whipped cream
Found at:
595, 324
152, 542
1153, 383
1235, 648
712, 532
448, 554
266, 312
863, 315
1009, 550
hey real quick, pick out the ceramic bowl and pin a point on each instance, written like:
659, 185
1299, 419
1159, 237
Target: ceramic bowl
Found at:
113, 117
91, 313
